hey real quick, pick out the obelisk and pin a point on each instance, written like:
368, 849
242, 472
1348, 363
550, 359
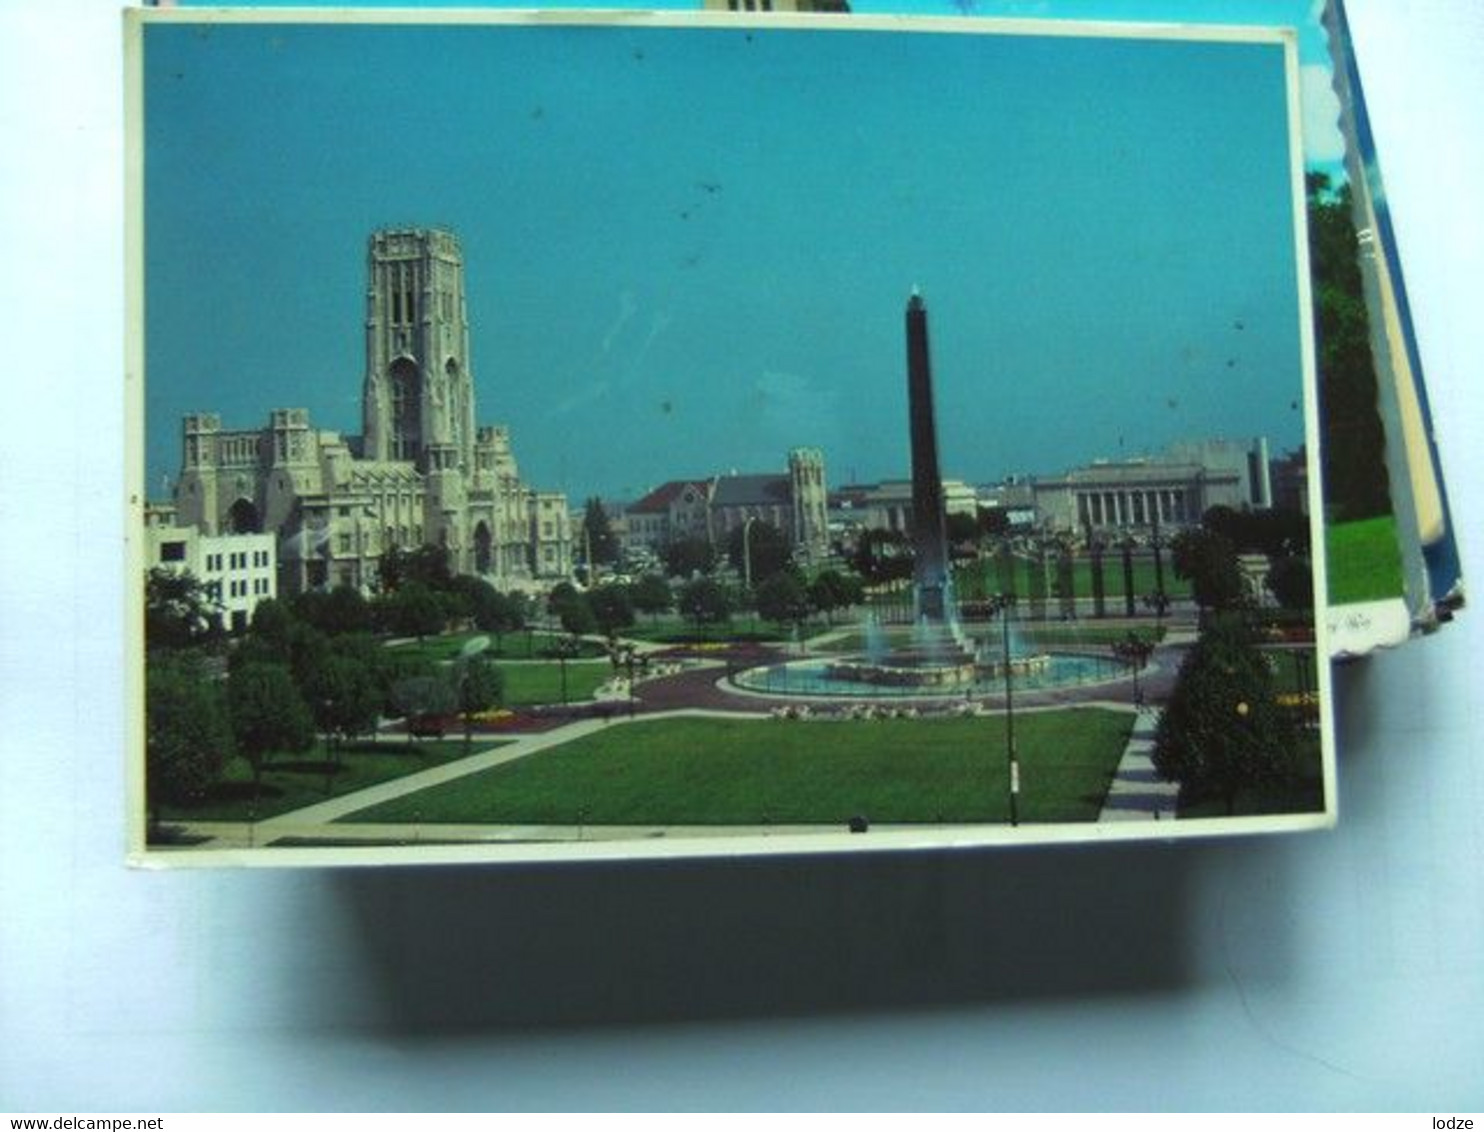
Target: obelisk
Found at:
929, 527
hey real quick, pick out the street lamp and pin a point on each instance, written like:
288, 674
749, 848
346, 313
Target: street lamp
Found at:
1134, 651
565, 648
1001, 604
747, 551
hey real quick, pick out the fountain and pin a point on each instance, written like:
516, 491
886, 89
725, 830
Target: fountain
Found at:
940, 659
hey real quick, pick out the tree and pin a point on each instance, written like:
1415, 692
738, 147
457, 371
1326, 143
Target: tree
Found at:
1355, 477
612, 607
831, 590
187, 736
481, 687
272, 623
344, 697
178, 612
962, 530
1222, 730
427, 565
495, 612
994, 522
767, 550
421, 695
341, 610
1271, 531
651, 594
268, 713
572, 608
784, 598
1208, 561
1291, 581
597, 534
687, 557
882, 556
411, 610
705, 602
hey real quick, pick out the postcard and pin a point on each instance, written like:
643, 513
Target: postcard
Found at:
586, 435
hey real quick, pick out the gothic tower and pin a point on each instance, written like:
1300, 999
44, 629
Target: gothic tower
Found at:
811, 517
418, 399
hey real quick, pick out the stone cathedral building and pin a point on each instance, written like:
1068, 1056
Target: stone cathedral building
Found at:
421, 472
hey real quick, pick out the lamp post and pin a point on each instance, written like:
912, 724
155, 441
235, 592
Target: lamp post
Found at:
747, 550
566, 649
1134, 651
747, 565
1001, 604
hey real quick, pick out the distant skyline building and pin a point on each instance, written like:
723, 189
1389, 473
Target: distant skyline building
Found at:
422, 472
796, 502
1173, 489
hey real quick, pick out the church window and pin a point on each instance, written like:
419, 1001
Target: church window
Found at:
406, 412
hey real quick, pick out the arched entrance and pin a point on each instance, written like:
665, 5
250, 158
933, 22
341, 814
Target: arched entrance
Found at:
483, 548
242, 519
406, 389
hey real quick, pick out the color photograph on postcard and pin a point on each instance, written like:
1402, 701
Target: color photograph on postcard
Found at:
636, 435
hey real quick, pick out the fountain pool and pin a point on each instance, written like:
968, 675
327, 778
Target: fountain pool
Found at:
845, 678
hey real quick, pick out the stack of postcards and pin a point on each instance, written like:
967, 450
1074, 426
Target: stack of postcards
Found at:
772, 428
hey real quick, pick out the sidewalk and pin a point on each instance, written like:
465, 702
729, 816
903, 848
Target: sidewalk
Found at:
1137, 792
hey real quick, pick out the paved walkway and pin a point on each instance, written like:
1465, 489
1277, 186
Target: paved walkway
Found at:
318, 822
1138, 793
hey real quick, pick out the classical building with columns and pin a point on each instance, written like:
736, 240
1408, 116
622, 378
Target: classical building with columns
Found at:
1172, 490
422, 471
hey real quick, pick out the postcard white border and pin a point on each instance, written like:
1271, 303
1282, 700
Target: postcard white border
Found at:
934, 838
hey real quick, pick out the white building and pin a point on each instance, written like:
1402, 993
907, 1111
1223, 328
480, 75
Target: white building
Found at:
236, 572
1171, 490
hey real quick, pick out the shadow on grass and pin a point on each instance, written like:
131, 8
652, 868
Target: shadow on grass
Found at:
239, 792
307, 766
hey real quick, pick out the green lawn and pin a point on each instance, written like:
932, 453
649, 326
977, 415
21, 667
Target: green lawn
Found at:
977, 580
540, 682
726, 772
511, 646
1364, 562
292, 781
742, 627
527, 682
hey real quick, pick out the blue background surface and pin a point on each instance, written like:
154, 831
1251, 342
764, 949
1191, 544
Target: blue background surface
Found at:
1342, 970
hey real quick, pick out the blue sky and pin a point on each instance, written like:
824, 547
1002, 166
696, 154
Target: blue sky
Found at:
687, 251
